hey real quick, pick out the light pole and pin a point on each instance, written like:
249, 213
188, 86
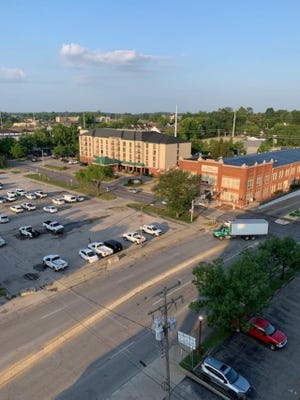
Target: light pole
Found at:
200, 318
192, 210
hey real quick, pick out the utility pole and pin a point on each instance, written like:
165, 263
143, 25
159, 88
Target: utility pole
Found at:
162, 326
233, 124
176, 112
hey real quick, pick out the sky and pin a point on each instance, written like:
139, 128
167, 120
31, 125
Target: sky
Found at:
144, 56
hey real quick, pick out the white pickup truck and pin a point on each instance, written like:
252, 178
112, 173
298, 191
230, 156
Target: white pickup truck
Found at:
53, 226
29, 231
100, 249
134, 237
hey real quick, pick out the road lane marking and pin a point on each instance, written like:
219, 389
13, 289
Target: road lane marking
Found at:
21, 366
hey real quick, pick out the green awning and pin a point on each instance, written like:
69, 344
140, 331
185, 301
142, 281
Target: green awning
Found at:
105, 160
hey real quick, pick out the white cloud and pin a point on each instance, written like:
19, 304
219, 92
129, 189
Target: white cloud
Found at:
76, 55
12, 75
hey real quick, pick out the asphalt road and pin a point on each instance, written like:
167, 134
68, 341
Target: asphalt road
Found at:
107, 354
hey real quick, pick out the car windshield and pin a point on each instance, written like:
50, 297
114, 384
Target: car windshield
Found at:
231, 375
270, 329
55, 259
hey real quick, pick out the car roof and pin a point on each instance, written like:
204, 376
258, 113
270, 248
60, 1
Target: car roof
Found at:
261, 322
217, 364
112, 241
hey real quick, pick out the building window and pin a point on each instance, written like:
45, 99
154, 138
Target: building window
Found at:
230, 183
280, 173
258, 180
266, 179
274, 176
279, 186
273, 188
287, 172
250, 183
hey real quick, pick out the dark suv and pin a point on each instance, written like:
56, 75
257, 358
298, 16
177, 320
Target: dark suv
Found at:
114, 245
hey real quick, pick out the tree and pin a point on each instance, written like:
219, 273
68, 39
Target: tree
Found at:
18, 151
232, 295
178, 189
94, 174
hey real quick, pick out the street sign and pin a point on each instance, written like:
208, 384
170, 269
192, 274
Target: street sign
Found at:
187, 340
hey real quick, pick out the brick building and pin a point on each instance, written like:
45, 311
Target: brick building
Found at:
244, 179
132, 151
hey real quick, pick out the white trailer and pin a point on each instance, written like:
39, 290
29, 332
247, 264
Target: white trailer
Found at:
245, 228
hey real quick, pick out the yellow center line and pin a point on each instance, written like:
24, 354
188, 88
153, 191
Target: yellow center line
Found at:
27, 362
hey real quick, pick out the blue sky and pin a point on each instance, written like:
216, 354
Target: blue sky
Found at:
148, 56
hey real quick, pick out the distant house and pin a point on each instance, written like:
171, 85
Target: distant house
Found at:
131, 150
242, 180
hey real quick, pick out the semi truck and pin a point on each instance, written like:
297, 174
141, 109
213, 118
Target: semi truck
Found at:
244, 228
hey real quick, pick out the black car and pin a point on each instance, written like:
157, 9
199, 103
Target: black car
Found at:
114, 245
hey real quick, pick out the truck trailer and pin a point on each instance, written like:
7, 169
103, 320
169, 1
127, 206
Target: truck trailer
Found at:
244, 228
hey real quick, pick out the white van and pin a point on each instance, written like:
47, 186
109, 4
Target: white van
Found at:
3, 219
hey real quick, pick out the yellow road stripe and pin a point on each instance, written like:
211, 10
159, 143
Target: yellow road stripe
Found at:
27, 362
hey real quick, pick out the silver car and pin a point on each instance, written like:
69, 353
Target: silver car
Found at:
226, 377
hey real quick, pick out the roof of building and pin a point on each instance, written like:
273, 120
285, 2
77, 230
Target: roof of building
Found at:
142, 136
279, 157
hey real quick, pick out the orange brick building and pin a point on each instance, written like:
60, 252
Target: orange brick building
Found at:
242, 180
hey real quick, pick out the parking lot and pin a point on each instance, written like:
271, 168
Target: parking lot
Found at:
274, 375
84, 222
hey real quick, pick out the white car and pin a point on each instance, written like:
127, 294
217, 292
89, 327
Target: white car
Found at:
20, 192
58, 202
134, 237
151, 230
28, 206
3, 219
11, 198
55, 262
88, 255
50, 209
133, 190
17, 208
79, 198
100, 249
12, 193
30, 196
73, 161
40, 194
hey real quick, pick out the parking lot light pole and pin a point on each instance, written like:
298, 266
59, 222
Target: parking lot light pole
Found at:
200, 318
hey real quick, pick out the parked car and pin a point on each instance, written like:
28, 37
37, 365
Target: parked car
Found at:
20, 192
134, 237
73, 161
79, 198
11, 198
3, 199
28, 231
58, 202
30, 196
50, 209
151, 230
100, 249
40, 194
12, 193
28, 206
17, 208
262, 329
88, 255
2, 242
114, 245
3, 219
226, 377
55, 262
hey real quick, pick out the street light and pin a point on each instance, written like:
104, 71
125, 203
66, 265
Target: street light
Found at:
200, 318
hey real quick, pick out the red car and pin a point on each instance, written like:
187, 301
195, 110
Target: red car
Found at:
263, 330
